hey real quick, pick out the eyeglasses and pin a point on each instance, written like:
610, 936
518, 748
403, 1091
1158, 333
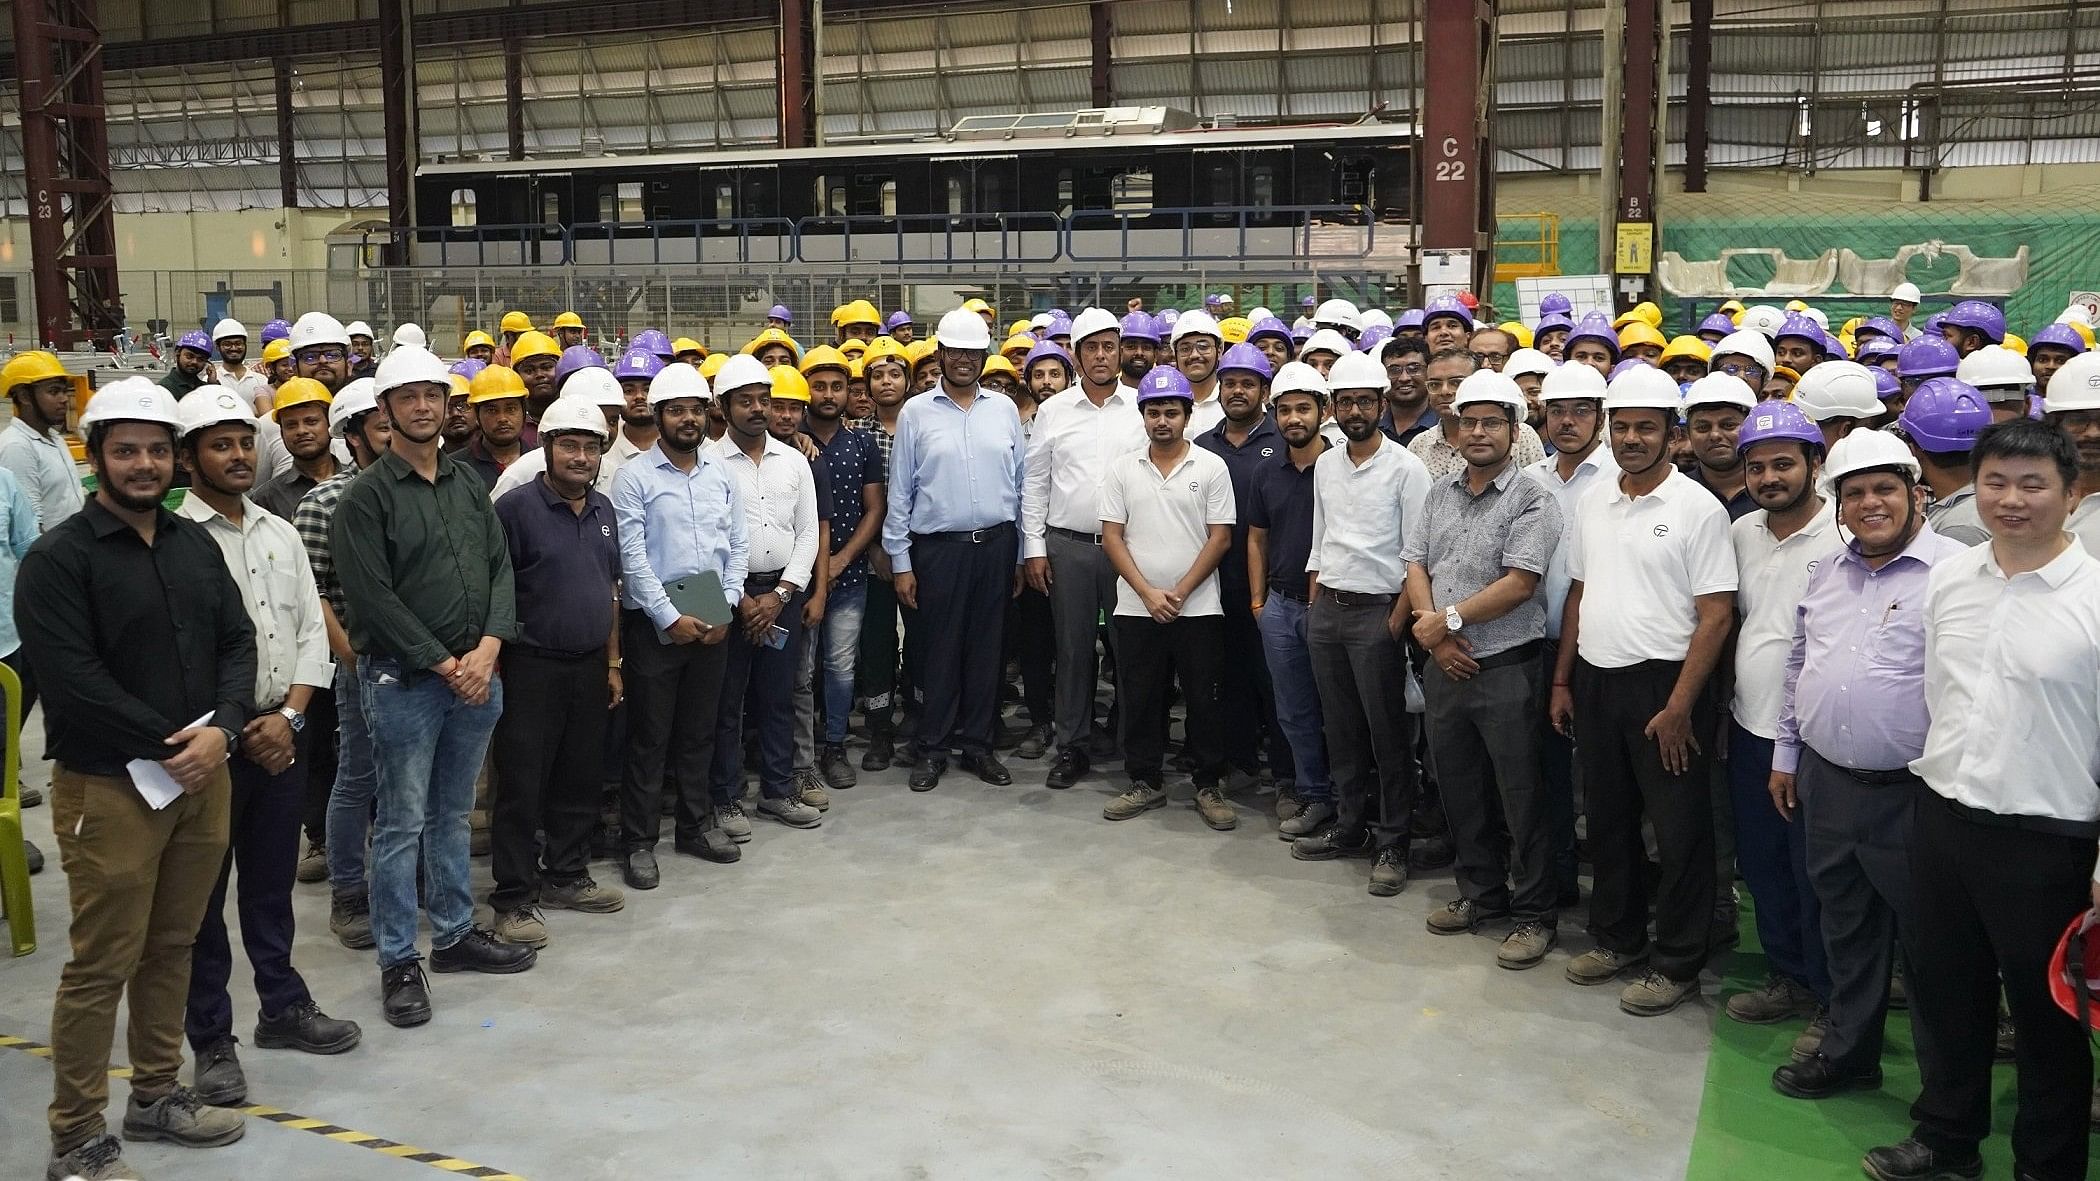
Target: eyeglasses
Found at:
311, 356
1490, 358
1486, 426
1738, 369
1357, 403
1196, 345
1411, 369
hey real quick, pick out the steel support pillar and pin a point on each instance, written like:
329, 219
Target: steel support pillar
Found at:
287, 150
397, 85
65, 158
1641, 69
514, 97
1458, 155
798, 75
1103, 35
1698, 94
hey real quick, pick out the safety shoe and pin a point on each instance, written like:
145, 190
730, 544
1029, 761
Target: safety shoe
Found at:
638, 869
1809, 1040
1216, 810
350, 918
1912, 1160
1034, 744
179, 1117
1602, 965
29, 797
1143, 796
710, 844
524, 926
1289, 804
1239, 780
1819, 1078
100, 1159
987, 767
1655, 994
881, 752
1432, 852
926, 773
1071, 767
1526, 945
1463, 915
1326, 846
480, 951
306, 1028
1305, 819
811, 790
219, 1078
313, 867
404, 994
836, 768
733, 821
1780, 999
583, 894
790, 811
1389, 871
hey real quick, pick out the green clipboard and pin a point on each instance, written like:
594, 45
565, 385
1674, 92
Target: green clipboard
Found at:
700, 596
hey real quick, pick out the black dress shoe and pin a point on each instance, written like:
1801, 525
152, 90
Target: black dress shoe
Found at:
1070, 768
481, 951
404, 995
1817, 1077
988, 768
305, 1027
926, 773
1432, 852
1333, 843
638, 869
36, 857
1911, 1160
879, 753
710, 844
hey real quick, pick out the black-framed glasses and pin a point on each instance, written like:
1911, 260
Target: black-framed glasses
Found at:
315, 356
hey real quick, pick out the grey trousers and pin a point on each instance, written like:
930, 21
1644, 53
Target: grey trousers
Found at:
1858, 838
1486, 746
806, 698
1082, 590
1362, 676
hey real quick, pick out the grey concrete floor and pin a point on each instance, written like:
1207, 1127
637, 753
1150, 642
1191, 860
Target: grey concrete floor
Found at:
972, 983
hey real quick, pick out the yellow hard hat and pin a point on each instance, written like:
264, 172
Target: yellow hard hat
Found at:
980, 307
823, 357
29, 368
531, 344
1517, 332
686, 344
461, 387
1643, 312
1234, 329
2084, 331
885, 349
277, 350
1017, 328
1851, 326
516, 322
999, 365
479, 337
1733, 309
853, 346
493, 384
2017, 344
299, 391
789, 384
1797, 305
568, 320
712, 364
860, 311
1687, 346
918, 351
1639, 332
1019, 342
771, 336
855, 371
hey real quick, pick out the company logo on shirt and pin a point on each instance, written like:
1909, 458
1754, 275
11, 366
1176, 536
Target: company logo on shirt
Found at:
1268, 453
605, 530
1662, 530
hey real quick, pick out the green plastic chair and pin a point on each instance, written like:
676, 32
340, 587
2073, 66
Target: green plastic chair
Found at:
14, 859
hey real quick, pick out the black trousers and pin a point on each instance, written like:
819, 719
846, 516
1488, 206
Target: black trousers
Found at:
319, 761
1857, 851
1359, 669
1150, 656
549, 751
1031, 640
263, 839
758, 683
1622, 781
1248, 697
672, 691
1487, 759
19, 662
963, 588
1991, 903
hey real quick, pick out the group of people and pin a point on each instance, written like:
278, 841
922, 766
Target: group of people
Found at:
1814, 609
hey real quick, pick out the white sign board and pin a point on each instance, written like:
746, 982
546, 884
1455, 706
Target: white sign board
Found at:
1446, 272
2090, 301
1587, 293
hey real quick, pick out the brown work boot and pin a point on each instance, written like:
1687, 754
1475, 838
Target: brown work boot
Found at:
1216, 810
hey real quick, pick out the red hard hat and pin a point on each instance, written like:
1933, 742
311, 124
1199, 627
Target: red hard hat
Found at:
2074, 971
1469, 299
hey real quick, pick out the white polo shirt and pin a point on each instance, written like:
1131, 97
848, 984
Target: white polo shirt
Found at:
1641, 562
1597, 466
780, 506
1360, 516
1166, 521
2085, 523
1773, 577
2012, 681
1071, 445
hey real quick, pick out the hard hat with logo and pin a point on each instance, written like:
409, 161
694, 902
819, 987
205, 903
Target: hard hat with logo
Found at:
594, 385
299, 391
568, 320
494, 384
2002, 375
29, 368
532, 344
886, 350
2075, 386
1719, 389
1356, 371
1869, 451
1487, 387
1984, 319
411, 334
408, 365
1754, 347
228, 329
1763, 318
1775, 421
1944, 414
196, 342
1090, 322
275, 351
1528, 361
1245, 358
571, 414
1838, 389
131, 399
1927, 356
358, 397
683, 381
637, 363
1907, 293
1297, 377
515, 322
1642, 388
213, 405
740, 372
823, 357
1162, 382
963, 328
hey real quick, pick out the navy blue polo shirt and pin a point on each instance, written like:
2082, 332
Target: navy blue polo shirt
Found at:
1403, 437
1264, 443
1281, 501
847, 464
566, 566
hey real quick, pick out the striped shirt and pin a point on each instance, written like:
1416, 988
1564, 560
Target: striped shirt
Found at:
1468, 542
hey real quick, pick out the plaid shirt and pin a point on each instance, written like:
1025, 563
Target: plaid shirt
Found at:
884, 440
316, 512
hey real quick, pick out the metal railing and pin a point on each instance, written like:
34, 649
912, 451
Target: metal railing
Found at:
909, 238
1272, 233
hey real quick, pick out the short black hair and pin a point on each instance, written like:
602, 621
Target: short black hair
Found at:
98, 434
2025, 438
1465, 355
1409, 343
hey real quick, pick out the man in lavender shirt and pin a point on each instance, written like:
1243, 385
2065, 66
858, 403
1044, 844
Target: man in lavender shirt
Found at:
1852, 719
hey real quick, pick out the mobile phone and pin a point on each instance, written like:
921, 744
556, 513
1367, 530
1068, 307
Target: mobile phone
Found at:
777, 637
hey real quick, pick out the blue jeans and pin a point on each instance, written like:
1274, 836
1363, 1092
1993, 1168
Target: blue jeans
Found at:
427, 766
843, 612
1297, 698
356, 782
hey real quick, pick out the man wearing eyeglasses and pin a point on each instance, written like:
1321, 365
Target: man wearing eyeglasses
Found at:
1196, 343
1491, 348
1407, 409
1439, 449
321, 350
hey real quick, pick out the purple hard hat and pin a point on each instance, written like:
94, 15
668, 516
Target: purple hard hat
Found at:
898, 319
576, 356
1408, 318
276, 330
1944, 415
1927, 356
779, 312
1164, 381
1774, 420
654, 340
1874, 348
1213, 301
1374, 336
1629, 365
1977, 316
1555, 304
468, 367
1447, 305
1886, 385
1049, 348
1301, 334
1595, 326
1880, 325
1798, 325
1054, 313
1162, 326
1268, 326
1835, 349
1552, 320
638, 362
1059, 325
1167, 316
1718, 322
196, 341
1308, 303
1139, 326
1246, 358
1931, 326
2063, 336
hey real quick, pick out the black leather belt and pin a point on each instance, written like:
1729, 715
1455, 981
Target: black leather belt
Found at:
1344, 598
1076, 535
968, 536
554, 653
1516, 655
1294, 594
1880, 778
2084, 830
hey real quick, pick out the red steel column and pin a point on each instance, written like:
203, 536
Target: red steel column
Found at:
1458, 157
1103, 36
65, 157
798, 75
397, 85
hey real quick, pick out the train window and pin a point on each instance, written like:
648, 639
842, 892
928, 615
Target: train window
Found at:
1261, 185
1354, 173
725, 201
990, 192
550, 209
831, 196
1133, 190
1222, 179
620, 202
463, 212
955, 194
889, 198
1064, 189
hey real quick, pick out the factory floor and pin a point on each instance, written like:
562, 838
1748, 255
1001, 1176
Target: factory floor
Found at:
972, 983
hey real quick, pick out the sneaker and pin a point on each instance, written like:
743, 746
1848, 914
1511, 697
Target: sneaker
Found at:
404, 994
1810, 1040
811, 790
524, 926
1602, 965
305, 1027
881, 752
350, 919
314, 866
1461, 916
1305, 819
1071, 767
1216, 810
836, 768
219, 1079
1525, 946
790, 811
1288, 804
1655, 994
1034, 744
733, 821
1389, 871
1780, 999
1333, 843
583, 894
100, 1159
179, 1117
1143, 796
1912, 1160
480, 951
638, 869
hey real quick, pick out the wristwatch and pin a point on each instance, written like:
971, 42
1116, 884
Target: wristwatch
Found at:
787, 594
233, 739
293, 718
1452, 621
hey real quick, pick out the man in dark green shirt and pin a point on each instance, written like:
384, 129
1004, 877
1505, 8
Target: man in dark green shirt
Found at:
426, 580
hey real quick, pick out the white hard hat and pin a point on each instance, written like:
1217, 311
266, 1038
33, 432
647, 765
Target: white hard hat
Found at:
1569, 382
1838, 389
1339, 313
684, 381
228, 329
1866, 451
1194, 322
1642, 387
2074, 386
1907, 292
407, 365
572, 413
2002, 374
131, 399
1327, 340
1532, 361
1745, 342
595, 385
317, 328
2075, 314
1763, 318
1297, 377
1093, 320
1039, 320
1719, 389
411, 334
212, 405
1376, 318
958, 329
359, 397
1258, 314
359, 328
1821, 317
733, 376
1485, 386
1356, 371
